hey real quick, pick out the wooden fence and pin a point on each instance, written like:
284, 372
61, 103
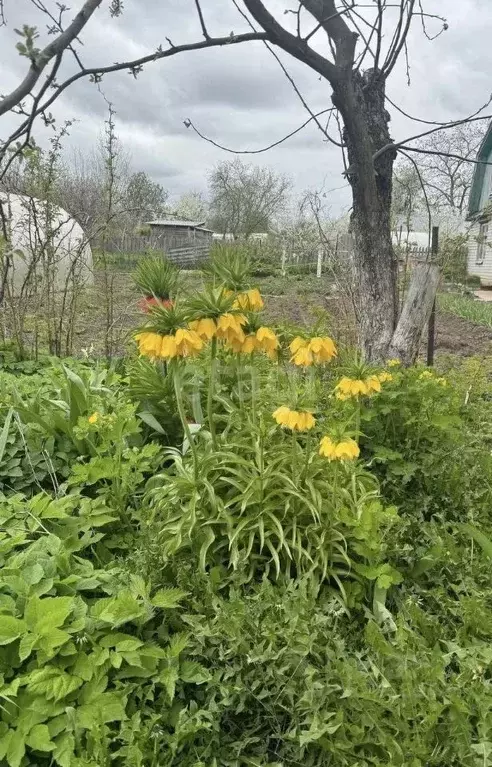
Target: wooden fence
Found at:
187, 252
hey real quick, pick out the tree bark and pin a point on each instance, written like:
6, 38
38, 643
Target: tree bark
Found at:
360, 99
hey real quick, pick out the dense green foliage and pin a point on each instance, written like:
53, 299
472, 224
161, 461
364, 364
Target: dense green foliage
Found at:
240, 601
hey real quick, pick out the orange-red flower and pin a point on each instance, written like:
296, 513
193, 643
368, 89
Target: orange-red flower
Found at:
147, 303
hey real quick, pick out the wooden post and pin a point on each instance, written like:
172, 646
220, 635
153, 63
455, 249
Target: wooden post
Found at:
431, 337
319, 263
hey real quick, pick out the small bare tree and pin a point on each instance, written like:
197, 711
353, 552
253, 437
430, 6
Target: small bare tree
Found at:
191, 206
245, 198
447, 171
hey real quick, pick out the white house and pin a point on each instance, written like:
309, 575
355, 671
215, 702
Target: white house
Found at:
480, 215
45, 246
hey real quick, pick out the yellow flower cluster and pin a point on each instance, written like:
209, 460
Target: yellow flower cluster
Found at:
93, 418
354, 387
346, 450
393, 363
294, 419
428, 375
250, 300
305, 351
184, 343
230, 327
206, 328
263, 340
385, 377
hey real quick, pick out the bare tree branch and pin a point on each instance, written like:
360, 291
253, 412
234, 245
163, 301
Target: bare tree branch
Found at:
202, 20
325, 12
436, 122
188, 123
291, 80
97, 72
439, 153
290, 43
403, 30
54, 48
447, 126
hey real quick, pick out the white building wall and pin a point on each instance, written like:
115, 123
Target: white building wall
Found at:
483, 270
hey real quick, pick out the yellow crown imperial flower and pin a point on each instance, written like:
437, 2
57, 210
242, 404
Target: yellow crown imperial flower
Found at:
350, 387
356, 387
168, 348
149, 344
93, 418
205, 328
267, 341
249, 344
323, 348
297, 343
294, 419
188, 342
307, 351
250, 300
373, 384
303, 357
346, 450
230, 327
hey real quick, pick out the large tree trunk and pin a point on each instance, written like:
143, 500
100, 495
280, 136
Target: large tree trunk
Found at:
360, 99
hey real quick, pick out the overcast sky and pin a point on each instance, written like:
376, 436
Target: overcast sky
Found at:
238, 95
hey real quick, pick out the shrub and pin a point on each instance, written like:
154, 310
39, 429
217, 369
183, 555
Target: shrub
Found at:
88, 663
423, 439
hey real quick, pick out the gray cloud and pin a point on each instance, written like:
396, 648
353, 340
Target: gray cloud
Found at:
238, 95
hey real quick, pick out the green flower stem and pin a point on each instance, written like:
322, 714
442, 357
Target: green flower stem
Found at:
294, 456
357, 420
182, 415
335, 485
211, 387
308, 452
239, 373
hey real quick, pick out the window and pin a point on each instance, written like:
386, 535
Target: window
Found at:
482, 243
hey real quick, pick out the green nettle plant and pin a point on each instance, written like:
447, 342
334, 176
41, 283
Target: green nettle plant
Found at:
88, 662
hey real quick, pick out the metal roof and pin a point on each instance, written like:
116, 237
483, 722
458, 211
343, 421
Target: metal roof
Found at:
175, 222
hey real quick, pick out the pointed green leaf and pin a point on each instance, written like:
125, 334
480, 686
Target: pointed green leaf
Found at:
168, 598
15, 749
10, 629
169, 677
190, 671
64, 749
5, 432
39, 738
